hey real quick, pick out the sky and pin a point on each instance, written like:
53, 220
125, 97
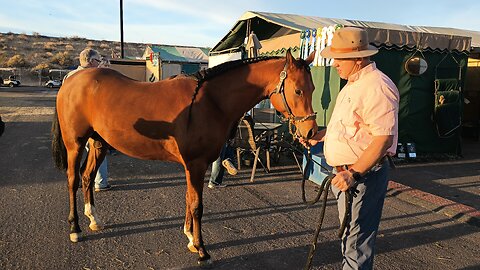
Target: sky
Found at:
204, 22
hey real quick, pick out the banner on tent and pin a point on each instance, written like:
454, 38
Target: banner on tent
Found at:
316, 40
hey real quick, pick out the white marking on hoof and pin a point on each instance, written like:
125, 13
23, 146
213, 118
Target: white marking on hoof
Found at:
206, 263
190, 245
74, 237
192, 248
95, 227
95, 223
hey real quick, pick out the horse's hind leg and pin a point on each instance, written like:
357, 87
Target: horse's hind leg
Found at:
195, 172
96, 155
74, 156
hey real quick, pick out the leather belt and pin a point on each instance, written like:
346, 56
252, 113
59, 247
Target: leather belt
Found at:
342, 168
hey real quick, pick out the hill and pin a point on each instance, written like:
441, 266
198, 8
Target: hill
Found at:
33, 55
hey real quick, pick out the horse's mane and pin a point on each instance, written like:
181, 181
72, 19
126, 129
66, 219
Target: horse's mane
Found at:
206, 74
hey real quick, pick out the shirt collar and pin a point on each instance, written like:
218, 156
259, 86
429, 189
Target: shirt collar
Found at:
362, 72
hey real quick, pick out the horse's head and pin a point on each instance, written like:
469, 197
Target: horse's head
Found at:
293, 95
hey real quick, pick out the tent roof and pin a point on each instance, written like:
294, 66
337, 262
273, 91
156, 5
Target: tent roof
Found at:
274, 25
178, 53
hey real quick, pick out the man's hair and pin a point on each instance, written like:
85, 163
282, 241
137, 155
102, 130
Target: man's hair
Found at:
87, 55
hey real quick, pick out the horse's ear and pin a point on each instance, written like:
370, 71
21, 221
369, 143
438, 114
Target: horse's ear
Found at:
289, 57
310, 58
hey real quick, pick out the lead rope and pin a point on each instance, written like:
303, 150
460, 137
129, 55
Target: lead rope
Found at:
324, 189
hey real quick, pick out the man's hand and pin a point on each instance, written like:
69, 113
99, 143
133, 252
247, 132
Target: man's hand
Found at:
308, 143
343, 180
318, 137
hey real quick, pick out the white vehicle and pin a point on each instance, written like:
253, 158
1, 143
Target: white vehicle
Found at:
11, 81
53, 83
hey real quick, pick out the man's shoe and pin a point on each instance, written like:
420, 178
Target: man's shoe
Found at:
213, 185
229, 166
107, 187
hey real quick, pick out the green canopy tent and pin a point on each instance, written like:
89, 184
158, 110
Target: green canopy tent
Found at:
445, 51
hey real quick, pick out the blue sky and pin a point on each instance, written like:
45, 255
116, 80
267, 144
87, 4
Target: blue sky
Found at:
205, 22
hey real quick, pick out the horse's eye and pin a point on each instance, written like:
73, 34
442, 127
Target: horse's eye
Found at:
299, 92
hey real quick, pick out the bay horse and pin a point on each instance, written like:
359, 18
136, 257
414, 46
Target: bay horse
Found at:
185, 119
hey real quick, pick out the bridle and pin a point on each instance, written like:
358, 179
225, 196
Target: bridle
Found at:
291, 118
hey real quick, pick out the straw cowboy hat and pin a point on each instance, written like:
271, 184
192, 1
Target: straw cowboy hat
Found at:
349, 42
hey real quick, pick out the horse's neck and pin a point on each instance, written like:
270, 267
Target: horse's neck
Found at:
239, 90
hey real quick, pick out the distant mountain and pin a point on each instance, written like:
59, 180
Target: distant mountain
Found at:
36, 52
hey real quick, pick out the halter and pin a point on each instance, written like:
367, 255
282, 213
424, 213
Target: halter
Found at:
280, 89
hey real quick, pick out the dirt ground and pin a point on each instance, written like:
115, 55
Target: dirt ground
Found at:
260, 225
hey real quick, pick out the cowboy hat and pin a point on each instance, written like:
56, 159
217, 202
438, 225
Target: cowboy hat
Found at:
349, 42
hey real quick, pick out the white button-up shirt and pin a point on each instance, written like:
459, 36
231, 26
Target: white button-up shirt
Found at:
366, 107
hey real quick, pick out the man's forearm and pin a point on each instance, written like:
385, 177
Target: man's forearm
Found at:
374, 152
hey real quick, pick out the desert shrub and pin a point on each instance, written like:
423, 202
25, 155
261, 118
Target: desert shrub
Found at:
22, 37
41, 66
17, 61
63, 59
104, 46
35, 34
49, 46
49, 54
69, 47
75, 38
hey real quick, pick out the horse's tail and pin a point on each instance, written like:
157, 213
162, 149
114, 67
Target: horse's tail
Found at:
59, 151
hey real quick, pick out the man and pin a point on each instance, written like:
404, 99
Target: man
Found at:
361, 133
90, 58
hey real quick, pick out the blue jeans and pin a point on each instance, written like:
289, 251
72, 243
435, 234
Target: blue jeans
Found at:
101, 179
358, 241
217, 168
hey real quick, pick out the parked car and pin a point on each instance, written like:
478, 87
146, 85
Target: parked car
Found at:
53, 83
11, 81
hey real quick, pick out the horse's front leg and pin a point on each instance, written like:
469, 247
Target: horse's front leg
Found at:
195, 172
96, 155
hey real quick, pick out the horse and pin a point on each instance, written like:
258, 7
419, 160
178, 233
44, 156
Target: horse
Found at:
183, 119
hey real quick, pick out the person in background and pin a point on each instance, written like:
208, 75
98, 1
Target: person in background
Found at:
224, 161
90, 58
362, 132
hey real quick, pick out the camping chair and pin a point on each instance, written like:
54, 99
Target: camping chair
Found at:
448, 103
244, 142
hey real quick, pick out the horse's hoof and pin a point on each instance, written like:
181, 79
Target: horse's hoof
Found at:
192, 248
205, 264
74, 237
95, 227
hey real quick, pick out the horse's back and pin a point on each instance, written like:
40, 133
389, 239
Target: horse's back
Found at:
117, 108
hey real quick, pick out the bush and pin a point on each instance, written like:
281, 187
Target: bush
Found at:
16, 61
49, 46
41, 66
62, 58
